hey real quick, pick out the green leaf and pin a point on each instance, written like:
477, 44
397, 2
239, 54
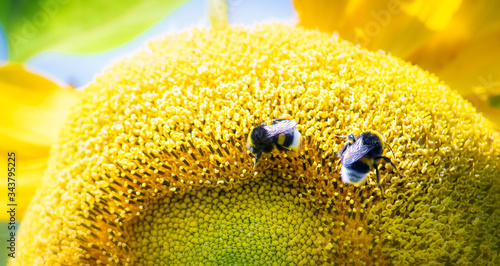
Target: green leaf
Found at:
76, 26
494, 100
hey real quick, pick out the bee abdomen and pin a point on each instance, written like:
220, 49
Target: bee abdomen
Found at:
355, 172
290, 139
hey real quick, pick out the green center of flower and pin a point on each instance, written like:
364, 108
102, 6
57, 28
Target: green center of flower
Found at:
261, 222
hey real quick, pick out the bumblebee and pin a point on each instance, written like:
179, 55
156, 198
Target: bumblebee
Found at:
280, 133
360, 155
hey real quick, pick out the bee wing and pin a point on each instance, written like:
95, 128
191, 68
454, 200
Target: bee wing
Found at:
355, 152
281, 127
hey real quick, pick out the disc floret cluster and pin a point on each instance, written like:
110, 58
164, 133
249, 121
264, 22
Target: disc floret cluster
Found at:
152, 166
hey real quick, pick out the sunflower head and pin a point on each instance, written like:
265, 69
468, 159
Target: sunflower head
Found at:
152, 166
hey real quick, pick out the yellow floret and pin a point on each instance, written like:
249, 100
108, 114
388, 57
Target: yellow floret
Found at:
152, 167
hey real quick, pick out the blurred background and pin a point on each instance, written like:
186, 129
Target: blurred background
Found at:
50, 49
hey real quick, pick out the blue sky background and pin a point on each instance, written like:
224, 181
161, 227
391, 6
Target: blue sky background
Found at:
80, 69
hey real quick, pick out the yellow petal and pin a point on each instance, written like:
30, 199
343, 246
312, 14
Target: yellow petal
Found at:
436, 15
33, 107
395, 26
477, 64
465, 54
33, 110
28, 179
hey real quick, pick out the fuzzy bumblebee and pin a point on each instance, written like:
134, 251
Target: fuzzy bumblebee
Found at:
281, 133
360, 155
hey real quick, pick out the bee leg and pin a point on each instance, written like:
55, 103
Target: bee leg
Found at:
378, 178
257, 156
347, 145
281, 148
387, 159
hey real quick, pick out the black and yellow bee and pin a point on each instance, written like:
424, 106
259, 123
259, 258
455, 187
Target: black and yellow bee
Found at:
360, 155
281, 133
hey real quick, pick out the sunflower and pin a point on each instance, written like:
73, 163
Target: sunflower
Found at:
152, 168
457, 40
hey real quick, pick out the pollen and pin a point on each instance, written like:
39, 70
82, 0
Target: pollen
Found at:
152, 167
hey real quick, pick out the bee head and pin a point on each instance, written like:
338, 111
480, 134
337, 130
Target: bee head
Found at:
375, 134
257, 137
257, 141
250, 144
253, 141
382, 141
